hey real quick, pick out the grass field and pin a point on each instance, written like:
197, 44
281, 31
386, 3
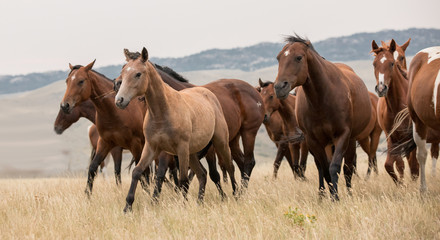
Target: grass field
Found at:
57, 208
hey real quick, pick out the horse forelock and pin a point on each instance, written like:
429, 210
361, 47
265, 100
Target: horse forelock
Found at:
76, 67
296, 38
267, 83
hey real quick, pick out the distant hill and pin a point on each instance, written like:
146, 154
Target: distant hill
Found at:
347, 48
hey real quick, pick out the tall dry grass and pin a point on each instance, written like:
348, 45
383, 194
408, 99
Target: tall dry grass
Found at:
57, 208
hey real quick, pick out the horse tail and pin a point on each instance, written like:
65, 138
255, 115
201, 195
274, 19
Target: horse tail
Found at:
405, 145
130, 164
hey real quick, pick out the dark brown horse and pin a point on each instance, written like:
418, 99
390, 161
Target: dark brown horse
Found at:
423, 101
285, 110
181, 123
116, 127
87, 110
392, 88
331, 108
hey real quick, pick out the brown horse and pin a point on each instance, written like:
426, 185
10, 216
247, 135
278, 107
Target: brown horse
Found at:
285, 109
423, 101
392, 88
116, 127
87, 110
181, 123
243, 111
330, 108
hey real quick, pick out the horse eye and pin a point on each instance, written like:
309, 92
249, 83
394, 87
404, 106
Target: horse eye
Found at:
299, 58
81, 82
392, 64
271, 97
138, 75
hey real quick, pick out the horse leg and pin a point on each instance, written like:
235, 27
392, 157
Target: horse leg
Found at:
221, 145
350, 155
389, 163
413, 165
248, 140
374, 143
101, 152
320, 157
293, 151
278, 158
163, 160
200, 171
303, 159
341, 146
419, 135
434, 156
116, 153
365, 145
147, 157
237, 154
213, 173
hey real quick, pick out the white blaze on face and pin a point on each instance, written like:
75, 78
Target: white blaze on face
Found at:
383, 59
433, 53
286, 53
381, 78
435, 92
73, 77
259, 104
395, 55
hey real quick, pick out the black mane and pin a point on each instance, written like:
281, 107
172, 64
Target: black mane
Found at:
170, 72
297, 38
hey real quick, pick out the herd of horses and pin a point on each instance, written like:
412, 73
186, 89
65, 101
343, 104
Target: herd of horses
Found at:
161, 118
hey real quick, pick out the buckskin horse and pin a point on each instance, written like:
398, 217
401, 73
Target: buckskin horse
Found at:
181, 123
331, 108
423, 101
115, 126
392, 88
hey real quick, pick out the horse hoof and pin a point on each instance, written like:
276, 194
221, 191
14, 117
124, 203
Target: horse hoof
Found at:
88, 193
128, 209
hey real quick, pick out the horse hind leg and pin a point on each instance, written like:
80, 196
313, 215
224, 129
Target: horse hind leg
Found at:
248, 140
434, 156
349, 157
365, 145
213, 172
413, 165
117, 160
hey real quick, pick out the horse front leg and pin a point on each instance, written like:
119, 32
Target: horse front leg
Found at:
102, 150
116, 153
419, 135
147, 157
341, 145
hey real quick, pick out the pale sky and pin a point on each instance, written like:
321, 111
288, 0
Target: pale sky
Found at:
42, 35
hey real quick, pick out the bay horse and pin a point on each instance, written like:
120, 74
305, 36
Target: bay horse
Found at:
180, 123
423, 101
115, 126
282, 112
87, 110
392, 88
330, 108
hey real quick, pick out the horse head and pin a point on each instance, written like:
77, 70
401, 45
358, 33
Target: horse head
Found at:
270, 101
134, 77
78, 87
292, 65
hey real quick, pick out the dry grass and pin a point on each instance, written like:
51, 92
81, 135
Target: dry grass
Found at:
56, 208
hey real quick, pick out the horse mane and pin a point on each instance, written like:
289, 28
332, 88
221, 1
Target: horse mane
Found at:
170, 72
296, 38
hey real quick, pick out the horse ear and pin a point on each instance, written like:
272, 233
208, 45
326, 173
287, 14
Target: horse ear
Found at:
374, 47
260, 82
127, 54
89, 67
70, 66
144, 54
405, 45
392, 46
258, 88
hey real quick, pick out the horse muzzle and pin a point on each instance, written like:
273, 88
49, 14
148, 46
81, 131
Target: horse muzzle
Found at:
66, 107
120, 103
282, 89
381, 90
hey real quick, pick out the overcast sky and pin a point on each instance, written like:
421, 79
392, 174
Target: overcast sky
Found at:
42, 35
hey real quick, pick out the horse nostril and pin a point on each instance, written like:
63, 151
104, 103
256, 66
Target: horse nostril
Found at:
284, 84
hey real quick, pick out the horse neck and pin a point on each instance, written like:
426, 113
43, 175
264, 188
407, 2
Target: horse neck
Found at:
287, 111
157, 95
100, 88
397, 92
318, 81
88, 111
